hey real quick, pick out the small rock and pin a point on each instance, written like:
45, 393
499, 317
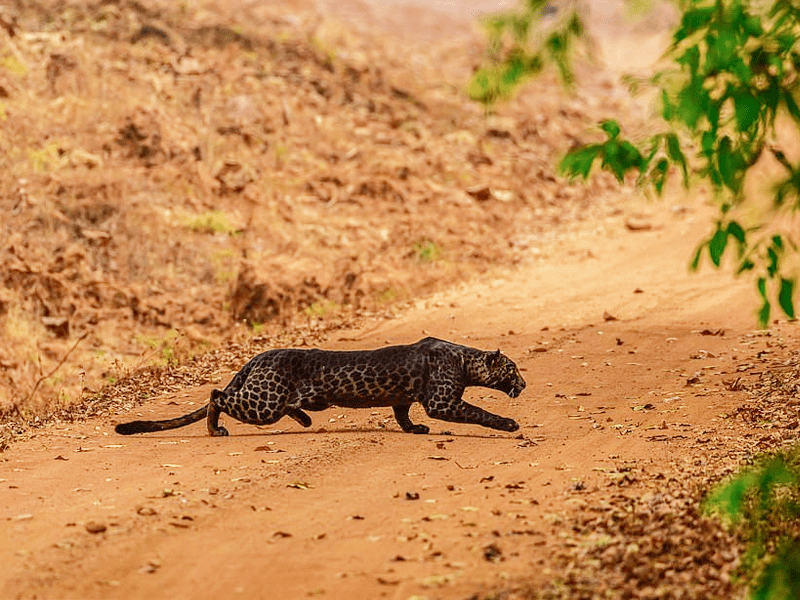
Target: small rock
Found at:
151, 566
480, 192
95, 527
492, 553
637, 224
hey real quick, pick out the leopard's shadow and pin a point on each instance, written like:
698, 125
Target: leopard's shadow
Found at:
360, 430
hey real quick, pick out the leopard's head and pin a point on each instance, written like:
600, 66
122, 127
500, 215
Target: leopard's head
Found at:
504, 375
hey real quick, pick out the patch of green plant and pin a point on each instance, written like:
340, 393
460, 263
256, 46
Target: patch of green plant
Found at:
763, 503
638, 8
212, 221
48, 158
386, 296
224, 267
323, 48
13, 65
281, 154
164, 350
521, 44
322, 308
426, 251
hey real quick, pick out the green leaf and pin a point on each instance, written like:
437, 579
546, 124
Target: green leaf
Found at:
747, 110
707, 142
667, 110
620, 156
676, 155
730, 497
611, 128
697, 256
729, 162
712, 115
763, 315
716, 246
691, 101
692, 21
753, 26
791, 105
772, 267
763, 312
575, 25
746, 265
579, 162
659, 174
690, 58
736, 231
785, 297
724, 49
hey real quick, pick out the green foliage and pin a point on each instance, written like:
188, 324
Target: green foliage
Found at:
212, 221
13, 65
427, 251
735, 67
322, 308
621, 156
520, 46
764, 503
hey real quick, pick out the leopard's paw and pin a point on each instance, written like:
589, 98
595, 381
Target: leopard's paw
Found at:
508, 425
219, 432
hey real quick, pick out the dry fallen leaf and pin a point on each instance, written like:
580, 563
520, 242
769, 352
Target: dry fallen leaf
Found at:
299, 485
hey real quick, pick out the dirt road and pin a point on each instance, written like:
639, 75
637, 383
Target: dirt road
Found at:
353, 507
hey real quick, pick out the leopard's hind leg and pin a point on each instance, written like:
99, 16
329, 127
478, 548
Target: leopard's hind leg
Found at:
212, 416
305, 400
299, 416
401, 414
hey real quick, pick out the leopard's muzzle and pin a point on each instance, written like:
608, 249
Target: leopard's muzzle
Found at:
516, 388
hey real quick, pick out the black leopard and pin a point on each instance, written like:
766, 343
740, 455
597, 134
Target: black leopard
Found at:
290, 381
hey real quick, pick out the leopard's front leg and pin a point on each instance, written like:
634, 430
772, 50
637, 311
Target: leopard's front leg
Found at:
449, 406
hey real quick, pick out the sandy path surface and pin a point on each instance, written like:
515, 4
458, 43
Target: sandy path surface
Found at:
608, 327
353, 507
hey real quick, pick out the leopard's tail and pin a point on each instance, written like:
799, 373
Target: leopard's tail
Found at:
233, 386
147, 426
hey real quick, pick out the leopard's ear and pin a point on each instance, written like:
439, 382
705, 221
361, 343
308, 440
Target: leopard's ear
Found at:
494, 358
